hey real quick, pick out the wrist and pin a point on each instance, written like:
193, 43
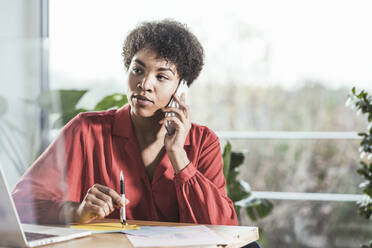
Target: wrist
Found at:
178, 159
68, 212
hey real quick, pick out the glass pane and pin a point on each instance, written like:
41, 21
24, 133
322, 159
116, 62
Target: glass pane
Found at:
321, 166
263, 70
314, 224
309, 107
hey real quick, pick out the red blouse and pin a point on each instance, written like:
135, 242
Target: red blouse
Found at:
94, 147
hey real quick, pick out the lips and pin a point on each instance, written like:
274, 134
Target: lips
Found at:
141, 98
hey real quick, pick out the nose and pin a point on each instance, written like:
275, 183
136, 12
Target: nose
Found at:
145, 84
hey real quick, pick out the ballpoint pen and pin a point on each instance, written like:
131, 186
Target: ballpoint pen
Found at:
123, 218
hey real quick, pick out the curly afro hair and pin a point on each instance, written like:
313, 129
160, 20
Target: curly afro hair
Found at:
170, 40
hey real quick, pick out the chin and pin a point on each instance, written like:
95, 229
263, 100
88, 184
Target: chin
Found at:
145, 113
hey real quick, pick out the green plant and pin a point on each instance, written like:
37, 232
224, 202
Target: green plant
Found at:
363, 103
238, 190
64, 103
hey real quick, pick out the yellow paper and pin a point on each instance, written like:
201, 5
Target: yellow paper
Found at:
109, 226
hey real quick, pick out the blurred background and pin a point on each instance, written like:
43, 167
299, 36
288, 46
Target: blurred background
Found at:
275, 82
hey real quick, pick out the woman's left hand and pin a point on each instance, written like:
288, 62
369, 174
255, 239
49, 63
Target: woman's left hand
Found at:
174, 143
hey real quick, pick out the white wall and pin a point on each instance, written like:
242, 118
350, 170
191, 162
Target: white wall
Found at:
20, 77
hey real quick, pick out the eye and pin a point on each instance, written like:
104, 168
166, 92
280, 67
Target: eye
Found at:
162, 77
136, 70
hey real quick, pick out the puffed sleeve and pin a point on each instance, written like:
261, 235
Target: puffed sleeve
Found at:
53, 178
200, 188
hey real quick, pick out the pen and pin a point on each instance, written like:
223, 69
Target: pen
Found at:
123, 218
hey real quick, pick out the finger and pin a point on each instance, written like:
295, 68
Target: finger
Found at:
102, 196
182, 105
94, 210
106, 198
116, 198
99, 203
102, 205
180, 114
181, 101
177, 123
124, 202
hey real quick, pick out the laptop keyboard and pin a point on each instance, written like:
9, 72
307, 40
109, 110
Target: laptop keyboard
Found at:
36, 236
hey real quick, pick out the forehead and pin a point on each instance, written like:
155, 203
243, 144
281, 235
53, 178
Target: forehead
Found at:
151, 58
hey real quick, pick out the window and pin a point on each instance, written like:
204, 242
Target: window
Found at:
276, 72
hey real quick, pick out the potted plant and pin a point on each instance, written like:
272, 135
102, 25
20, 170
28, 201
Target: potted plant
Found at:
239, 191
362, 101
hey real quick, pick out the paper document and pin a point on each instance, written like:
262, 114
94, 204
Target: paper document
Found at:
152, 236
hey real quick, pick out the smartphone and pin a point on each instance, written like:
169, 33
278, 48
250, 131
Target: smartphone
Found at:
182, 88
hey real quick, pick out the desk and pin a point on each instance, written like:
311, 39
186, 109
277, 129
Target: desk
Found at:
237, 236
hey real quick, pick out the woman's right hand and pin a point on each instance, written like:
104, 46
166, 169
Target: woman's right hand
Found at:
99, 202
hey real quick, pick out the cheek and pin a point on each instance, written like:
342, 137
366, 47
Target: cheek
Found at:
130, 85
131, 82
164, 95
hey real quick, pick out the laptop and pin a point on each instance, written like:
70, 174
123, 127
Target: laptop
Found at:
13, 233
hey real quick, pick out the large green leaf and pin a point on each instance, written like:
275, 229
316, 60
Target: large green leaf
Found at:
66, 117
60, 101
251, 213
232, 176
237, 159
111, 101
367, 246
226, 159
226, 156
237, 210
258, 208
237, 192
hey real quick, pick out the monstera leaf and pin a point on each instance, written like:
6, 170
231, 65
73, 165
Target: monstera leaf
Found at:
60, 101
238, 190
67, 116
111, 101
64, 102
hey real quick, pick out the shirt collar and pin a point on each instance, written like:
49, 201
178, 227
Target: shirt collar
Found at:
123, 125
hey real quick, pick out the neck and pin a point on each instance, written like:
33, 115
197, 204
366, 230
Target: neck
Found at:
148, 129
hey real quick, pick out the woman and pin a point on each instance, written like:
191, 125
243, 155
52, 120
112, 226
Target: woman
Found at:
174, 177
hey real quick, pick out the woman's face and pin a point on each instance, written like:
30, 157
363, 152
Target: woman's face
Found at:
151, 83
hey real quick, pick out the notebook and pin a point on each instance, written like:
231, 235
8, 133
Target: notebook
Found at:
13, 233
